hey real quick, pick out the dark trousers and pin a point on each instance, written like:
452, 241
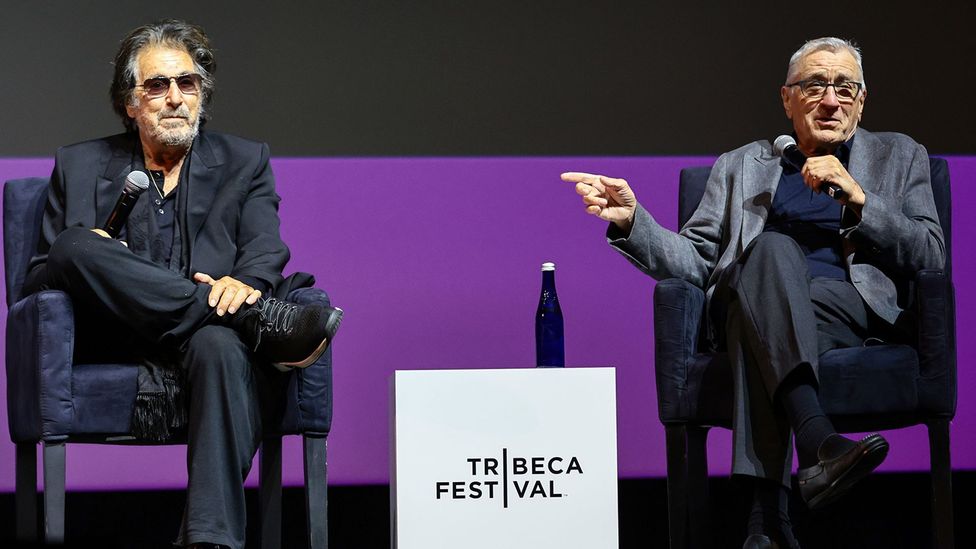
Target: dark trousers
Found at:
136, 306
776, 320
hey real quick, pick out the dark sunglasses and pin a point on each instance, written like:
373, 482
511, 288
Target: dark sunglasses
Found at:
158, 86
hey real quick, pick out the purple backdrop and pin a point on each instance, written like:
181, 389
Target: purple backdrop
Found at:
436, 262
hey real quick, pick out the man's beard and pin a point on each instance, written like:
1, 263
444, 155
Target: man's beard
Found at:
175, 137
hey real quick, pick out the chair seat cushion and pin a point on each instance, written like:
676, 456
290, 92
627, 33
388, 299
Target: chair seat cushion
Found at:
857, 381
869, 380
103, 396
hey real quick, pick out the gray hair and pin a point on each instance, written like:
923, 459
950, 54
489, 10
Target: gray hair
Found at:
171, 33
827, 43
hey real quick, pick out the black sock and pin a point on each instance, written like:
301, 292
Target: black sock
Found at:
810, 424
770, 512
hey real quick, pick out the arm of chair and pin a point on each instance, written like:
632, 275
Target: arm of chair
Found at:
936, 303
309, 409
678, 311
40, 343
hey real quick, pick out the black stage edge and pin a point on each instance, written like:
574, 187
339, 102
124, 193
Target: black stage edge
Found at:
888, 511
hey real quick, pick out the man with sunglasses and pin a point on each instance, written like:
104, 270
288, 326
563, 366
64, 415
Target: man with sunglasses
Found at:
188, 292
791, 271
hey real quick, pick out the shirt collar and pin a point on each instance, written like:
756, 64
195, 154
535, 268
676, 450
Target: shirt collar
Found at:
842, 152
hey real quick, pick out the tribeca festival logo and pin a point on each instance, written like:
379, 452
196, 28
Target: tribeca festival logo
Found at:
510, 478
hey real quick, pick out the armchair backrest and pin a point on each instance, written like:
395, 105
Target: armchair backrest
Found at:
692, 188
23, 210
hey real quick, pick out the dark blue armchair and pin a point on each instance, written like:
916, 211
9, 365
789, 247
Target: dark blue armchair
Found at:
863, 389
53, 401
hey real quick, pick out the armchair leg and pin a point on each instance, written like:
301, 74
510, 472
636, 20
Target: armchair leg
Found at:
316, 492
26, 492
687, 486
54, 454
942, 523
269, 492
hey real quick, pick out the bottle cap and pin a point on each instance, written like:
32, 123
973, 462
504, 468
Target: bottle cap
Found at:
548, 266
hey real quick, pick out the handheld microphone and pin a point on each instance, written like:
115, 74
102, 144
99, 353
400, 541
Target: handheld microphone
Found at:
136, 183
785, 147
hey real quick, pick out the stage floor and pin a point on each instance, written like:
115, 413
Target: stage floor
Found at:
889, 511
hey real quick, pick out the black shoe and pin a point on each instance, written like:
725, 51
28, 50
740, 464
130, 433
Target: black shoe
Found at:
287, 334
831, 478
762, 541
759, 541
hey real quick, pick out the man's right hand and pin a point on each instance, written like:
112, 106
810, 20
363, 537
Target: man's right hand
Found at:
104, 234
608, 198
227, 294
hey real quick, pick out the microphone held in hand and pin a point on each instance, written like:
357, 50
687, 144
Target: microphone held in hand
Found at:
785, 147
136, 183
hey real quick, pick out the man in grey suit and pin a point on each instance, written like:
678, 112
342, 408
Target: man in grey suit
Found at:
791, 272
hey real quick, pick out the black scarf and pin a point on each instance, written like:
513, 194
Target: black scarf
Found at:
160, 406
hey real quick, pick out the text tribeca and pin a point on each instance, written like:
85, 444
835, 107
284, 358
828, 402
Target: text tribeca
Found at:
490, 486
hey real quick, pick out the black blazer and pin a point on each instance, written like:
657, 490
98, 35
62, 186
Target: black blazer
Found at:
232, 207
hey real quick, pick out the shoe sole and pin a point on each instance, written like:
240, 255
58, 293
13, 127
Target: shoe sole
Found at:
331, 327
871, 456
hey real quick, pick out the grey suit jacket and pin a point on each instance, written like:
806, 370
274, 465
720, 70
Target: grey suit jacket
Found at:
897, 234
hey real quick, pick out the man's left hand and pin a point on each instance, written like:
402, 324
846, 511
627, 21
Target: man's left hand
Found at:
819, 170
227, 294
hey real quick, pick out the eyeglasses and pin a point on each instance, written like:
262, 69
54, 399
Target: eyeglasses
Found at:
188, 84
846, 90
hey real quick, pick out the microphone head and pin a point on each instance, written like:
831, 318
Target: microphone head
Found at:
781, 143
136, 182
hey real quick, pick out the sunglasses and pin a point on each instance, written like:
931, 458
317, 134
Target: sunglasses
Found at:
158, 86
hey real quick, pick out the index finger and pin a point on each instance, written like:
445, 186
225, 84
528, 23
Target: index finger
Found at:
577, 177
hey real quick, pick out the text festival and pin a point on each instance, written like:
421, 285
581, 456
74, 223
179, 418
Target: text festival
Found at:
520, 474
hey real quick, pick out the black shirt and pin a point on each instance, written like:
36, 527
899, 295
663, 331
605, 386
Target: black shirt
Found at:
154, 227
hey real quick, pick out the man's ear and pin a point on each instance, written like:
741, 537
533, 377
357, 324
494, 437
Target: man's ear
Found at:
860, 109
784, 93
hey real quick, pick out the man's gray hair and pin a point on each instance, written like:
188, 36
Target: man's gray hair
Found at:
171, 33
827, 43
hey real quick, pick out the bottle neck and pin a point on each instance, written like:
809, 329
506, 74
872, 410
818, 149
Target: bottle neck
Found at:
548, 294
549, 280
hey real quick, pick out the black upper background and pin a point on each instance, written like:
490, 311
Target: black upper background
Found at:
364, 78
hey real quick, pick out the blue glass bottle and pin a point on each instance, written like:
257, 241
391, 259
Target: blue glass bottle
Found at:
549, 348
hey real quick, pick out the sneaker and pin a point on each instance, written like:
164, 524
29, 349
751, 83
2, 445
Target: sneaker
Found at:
287, 334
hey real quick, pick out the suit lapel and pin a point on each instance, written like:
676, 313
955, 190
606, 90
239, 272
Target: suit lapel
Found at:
204, 179
108, 187
760, 177
866, 164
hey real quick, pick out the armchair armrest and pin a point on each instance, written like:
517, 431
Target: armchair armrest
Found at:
935, 301
310, 389
678, 311
40, 344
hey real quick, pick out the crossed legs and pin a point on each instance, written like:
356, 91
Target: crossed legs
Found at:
229, 391
778, 322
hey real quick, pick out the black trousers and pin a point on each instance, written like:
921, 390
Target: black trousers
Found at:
777, 319
126, 305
